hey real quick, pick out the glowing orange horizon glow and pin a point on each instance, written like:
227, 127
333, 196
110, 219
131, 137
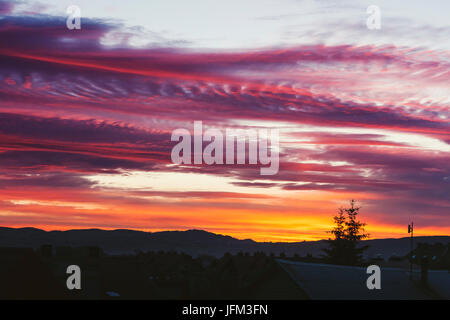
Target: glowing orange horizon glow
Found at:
308, 220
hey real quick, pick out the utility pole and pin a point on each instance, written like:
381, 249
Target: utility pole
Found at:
411, 231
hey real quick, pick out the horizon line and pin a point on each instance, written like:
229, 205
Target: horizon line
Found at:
218, 234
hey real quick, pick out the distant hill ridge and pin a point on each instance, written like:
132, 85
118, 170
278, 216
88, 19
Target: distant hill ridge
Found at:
193, 242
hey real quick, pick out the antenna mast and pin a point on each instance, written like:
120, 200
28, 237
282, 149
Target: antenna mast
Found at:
411, 231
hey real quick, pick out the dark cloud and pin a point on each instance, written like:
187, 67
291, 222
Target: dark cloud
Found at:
61, 67
88, 131
6, 7
46, 180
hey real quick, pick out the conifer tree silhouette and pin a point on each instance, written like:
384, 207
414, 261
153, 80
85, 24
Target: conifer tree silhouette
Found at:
348, 232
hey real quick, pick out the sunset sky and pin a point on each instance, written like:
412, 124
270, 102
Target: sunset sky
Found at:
86, 116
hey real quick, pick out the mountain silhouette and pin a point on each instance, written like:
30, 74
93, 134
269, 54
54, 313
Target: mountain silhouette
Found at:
193, 242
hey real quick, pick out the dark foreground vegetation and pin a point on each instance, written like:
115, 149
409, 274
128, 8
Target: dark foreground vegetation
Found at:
27, 273
30, 274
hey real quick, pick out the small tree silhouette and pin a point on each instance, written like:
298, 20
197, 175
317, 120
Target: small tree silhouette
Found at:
348, 232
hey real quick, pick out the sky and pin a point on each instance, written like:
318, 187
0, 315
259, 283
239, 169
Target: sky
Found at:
86, 116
